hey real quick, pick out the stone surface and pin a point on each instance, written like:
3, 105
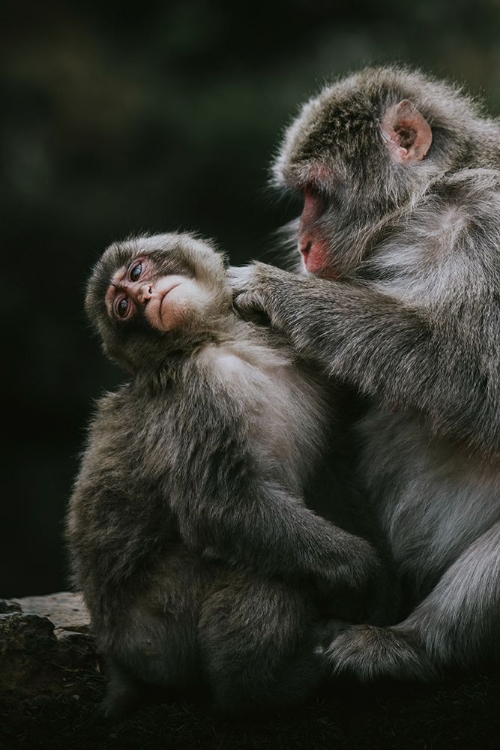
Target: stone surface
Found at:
41, 639
66, 610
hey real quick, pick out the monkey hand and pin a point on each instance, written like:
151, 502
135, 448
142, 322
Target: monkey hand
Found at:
254, 289
249, 287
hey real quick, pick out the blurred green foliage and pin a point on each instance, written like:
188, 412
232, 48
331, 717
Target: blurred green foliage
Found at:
117, 118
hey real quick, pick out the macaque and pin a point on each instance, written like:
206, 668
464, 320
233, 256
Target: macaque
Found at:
400, 299
189, 527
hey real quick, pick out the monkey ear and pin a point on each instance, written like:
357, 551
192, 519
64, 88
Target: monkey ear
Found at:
406, 132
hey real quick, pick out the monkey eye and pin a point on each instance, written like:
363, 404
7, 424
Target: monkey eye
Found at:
135, 272
122, 307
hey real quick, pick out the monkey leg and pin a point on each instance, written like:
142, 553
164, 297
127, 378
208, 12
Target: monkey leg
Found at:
152, 645
158, 653
261, 644
457, 625
124, 693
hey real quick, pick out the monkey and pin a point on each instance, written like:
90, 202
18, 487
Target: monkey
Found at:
189, 528
398, 297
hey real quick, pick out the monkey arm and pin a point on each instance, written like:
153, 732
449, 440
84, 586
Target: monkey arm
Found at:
266, 531
411, 358
229, 510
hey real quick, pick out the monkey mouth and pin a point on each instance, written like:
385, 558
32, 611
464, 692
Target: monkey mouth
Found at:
158, 311
315, 254
163, 303
313, 247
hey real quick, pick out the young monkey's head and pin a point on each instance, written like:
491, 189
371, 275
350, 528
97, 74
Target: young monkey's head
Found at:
151, 296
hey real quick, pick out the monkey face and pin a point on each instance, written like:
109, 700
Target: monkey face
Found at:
151, 296
334, 154
165, 301
363, 149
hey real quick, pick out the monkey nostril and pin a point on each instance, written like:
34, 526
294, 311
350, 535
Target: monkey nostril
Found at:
306, 248
145, 293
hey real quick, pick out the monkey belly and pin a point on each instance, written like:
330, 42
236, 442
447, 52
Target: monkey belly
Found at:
432, 506
287, 408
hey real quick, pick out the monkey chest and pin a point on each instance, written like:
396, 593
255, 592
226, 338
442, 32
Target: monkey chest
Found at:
283, 414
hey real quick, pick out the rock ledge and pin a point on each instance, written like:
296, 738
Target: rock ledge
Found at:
41, 639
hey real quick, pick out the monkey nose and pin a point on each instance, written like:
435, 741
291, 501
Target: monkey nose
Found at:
145, 292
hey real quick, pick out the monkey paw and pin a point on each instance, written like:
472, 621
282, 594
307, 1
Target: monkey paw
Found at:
250, 288
240, 277
261, 288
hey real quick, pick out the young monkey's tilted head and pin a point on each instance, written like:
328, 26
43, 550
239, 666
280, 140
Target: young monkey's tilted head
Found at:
151, 296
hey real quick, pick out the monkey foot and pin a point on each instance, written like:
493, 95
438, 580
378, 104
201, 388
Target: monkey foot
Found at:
369, 653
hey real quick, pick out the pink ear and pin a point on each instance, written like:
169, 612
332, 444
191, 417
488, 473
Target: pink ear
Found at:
407, 133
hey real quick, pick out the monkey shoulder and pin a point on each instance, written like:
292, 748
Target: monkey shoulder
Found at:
470, 183
126, 454
473, 194
445, 246
466, 206
114, 420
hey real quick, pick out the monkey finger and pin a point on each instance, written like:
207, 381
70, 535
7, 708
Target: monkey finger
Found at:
241, 277
249, 303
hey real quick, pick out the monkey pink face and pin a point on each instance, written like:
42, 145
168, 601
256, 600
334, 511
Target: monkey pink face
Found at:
163, 299
313, 246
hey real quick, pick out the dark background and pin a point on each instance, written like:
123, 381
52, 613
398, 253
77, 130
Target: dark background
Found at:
157, 116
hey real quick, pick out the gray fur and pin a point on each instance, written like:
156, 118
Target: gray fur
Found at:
412, 320
188, 528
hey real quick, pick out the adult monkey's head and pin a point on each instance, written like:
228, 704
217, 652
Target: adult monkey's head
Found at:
365, 148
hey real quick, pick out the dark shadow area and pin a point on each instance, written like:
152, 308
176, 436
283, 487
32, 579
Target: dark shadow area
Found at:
452, 716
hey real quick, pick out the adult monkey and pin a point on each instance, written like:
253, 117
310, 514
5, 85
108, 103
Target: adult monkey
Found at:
401, 226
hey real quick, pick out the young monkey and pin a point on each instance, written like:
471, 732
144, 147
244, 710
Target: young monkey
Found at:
188, 528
